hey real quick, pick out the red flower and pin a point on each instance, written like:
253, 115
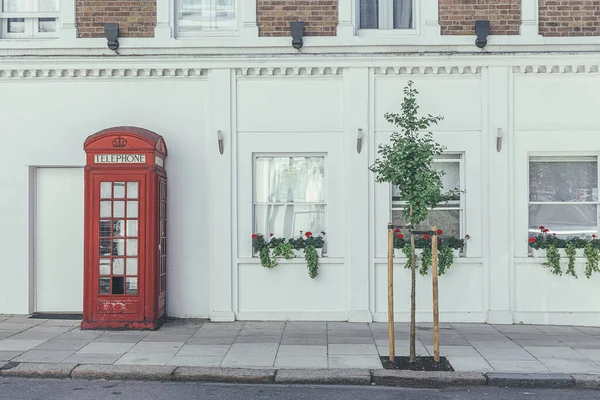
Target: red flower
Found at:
452, 230
467, 237
270, 234
554, 234
397, 230
308, 234
301, 232
400, 236
541, 227
546, 230
322, 233
426, 236
593, 236
439, 231
254, 236
531, 240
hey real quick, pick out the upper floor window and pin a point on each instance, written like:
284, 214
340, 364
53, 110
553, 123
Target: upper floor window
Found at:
386, 14
29, 18
195, 17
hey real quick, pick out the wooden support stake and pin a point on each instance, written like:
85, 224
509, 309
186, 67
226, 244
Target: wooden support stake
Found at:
436, 315
391, 292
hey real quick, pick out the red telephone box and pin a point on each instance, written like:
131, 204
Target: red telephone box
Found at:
125, 230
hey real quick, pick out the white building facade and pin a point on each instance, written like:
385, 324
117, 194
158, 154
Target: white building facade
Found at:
522, 102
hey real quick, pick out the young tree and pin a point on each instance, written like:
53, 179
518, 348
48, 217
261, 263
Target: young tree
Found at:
407, 163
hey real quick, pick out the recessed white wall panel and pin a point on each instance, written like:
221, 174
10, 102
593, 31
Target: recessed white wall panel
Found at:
556, 102
290, 105
458, 100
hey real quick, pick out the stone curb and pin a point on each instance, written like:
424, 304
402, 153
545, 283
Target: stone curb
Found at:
585, 381
538, 380
324, 376
382, 377
229, 375
427, 379
37, 370
132, 372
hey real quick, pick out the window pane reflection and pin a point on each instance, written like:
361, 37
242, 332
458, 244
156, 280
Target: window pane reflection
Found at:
118, 266
132, 227
118, 227
446, 220
119, 209
119, 190
105, 190
131, 287
104, 286
132, 266
132, 209
565, 181
104, 266
132, 247
132, 190
290, 179
563, 219
118, 248
289, 220
105, 209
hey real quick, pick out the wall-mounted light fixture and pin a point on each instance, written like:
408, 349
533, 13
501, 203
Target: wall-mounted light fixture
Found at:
220, 139
111, 32
297, 31
499, 140
482, 30
359, 138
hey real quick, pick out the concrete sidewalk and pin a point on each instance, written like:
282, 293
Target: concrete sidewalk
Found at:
300, 345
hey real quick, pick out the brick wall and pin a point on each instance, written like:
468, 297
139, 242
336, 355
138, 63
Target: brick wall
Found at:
457, 17
569, 17
319, 16
136, 18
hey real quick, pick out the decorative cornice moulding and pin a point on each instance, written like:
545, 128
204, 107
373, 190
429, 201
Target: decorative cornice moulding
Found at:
423, 70
555, 69
103, 73
282, 71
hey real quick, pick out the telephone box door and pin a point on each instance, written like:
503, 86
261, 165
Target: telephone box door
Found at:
119, 209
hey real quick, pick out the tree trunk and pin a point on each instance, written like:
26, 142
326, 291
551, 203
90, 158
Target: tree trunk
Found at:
413, 283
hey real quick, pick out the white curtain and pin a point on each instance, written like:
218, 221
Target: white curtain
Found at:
403, 14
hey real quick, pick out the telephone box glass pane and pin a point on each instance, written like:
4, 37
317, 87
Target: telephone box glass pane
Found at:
104, 286
132, 247
132, 209
132, 266
118, 247
105, 190
117, 285
131, 285
118, 266
105, 266
132, 227
105, 209
132, 190
105, 228
105, 247
118, 227
119, 190
119, 211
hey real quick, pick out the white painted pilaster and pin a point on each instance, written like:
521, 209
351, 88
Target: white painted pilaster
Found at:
431, 18
165, 21
356, 90
498, 184
66, 20
220, 221
347, 17
529, 18
249, 25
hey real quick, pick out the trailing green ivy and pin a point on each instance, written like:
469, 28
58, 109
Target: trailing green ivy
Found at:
553, 260
591, 265
571, 250
266, 260
445, 258
285, 250
426, 260
406, 250
312, 261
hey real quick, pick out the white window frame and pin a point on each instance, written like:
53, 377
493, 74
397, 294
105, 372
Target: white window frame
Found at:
286, 155
208, 32
386, 20
31, 21
562, 158
460, 160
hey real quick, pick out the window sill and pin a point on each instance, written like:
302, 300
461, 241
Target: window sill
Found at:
393, 33
322, 260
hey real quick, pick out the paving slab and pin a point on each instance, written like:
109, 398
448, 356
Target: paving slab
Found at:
570, 366
9, 355
166, 337
44, 356
551, 380
196, 361
319, 362
228, 375
211, 340
347, 349
19, 344
554, 352
157, 347
145, 358
106, 348
355, 361
258, 339
301, 351
470, 364
90, 358
427, 379
517, 365
249, 360
63, 344
324, 376
35, 370
137, 372
204, 350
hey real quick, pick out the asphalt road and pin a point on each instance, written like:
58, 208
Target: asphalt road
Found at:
51, 389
